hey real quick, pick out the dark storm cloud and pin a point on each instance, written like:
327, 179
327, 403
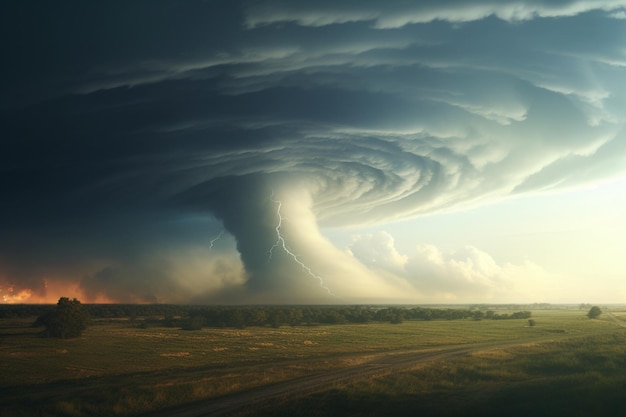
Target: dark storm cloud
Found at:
131, 129
398, 14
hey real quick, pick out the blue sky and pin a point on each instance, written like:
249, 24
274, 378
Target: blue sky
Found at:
314, 152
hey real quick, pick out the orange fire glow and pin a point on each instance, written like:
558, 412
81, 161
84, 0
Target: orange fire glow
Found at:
53, 290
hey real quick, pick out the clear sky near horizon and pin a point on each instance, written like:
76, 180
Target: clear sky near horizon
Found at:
313, 151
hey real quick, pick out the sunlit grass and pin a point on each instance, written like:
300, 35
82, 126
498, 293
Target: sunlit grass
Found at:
581, 377
130, 370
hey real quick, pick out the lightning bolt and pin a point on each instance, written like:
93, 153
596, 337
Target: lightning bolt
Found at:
280, 242
216, 239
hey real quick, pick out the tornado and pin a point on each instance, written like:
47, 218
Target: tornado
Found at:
244, 147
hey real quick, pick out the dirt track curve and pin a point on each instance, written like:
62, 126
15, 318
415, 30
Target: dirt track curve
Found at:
318, 382
615, 320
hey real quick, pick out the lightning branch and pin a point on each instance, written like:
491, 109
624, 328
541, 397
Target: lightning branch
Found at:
280, 243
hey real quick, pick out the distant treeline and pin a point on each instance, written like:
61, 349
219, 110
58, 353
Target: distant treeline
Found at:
195, 317
311, 315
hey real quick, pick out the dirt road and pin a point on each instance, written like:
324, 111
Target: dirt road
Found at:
381, 365
614, 319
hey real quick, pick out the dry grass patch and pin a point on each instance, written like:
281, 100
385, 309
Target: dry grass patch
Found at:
492, 354
176, 355
359, 360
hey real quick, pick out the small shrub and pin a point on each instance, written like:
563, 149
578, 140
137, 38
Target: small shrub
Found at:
594, 312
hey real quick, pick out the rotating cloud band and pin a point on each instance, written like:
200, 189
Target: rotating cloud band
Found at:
280, 242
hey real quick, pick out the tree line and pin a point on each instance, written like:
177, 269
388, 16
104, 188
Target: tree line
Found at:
242, 316
69, 318
259, 315
196, 317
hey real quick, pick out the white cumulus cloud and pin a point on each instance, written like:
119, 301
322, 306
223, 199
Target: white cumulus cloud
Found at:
467, 274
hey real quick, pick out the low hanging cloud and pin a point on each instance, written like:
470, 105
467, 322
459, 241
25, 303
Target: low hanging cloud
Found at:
173, 278
436, 276
350, 114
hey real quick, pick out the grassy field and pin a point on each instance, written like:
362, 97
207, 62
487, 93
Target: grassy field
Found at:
115, 369
581, 377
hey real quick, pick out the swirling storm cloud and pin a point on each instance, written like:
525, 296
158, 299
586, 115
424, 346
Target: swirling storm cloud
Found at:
199, 151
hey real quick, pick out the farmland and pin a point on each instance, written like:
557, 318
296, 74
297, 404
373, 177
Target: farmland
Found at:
116, 368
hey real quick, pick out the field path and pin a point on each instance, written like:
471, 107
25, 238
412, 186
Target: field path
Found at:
614, 319
381, 365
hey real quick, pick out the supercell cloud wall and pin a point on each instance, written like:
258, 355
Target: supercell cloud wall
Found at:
134, 134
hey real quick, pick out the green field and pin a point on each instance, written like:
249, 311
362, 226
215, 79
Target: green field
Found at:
568, 378
117, 369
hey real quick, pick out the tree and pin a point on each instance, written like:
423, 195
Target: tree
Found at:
397, 318
478, 315
194, 322
69, 319
594, 312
